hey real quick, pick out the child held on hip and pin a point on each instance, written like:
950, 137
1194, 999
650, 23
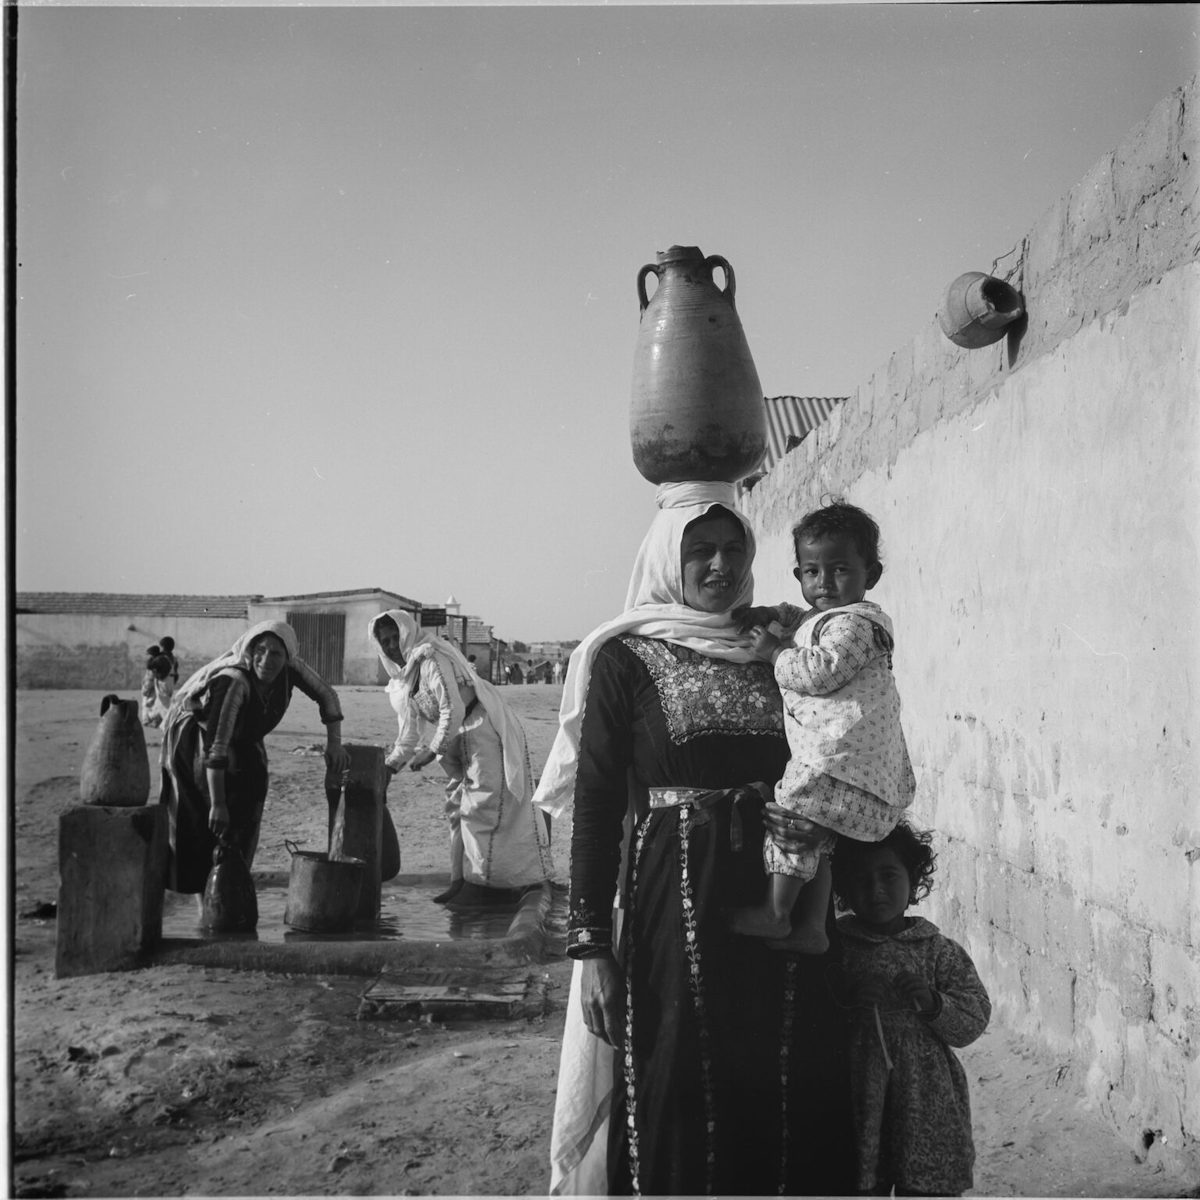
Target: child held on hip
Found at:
849, 771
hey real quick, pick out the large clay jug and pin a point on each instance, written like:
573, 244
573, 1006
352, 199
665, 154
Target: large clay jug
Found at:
116, 770
698, 410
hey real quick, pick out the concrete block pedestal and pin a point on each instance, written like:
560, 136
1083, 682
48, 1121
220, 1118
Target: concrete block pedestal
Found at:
112, 866
357, 822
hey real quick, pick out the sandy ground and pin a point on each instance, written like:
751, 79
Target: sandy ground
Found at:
193, 1080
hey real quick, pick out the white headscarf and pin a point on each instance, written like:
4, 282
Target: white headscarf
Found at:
654, 608
238, 656
418, 644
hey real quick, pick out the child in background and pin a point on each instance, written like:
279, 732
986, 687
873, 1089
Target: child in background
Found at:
849, 771
157, 688
914, 993
167, 645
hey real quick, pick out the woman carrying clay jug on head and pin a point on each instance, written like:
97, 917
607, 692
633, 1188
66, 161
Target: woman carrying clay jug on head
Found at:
499, 846
694, 1061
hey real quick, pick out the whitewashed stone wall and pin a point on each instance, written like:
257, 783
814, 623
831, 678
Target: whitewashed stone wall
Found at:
65, 650
1039, 500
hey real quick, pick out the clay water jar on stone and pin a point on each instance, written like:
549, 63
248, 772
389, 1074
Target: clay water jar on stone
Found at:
977, 310
697, 410
116, 770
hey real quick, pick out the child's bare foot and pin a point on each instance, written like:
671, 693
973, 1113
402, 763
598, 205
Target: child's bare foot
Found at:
761, 922
803, 939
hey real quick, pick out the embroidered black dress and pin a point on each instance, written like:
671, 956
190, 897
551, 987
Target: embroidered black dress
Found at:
735, 1068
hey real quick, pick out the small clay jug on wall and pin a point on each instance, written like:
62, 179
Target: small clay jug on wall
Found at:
698, 410
116, 771
977, 310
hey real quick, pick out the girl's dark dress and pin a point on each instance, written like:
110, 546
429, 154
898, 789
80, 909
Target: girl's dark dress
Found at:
735, 1070
223, 728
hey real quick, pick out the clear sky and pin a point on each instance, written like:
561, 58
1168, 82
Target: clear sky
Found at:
313, 299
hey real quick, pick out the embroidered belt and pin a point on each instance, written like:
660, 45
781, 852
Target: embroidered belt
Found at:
673, 797
707, 797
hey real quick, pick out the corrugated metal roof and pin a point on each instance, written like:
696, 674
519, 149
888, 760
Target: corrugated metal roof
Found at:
119, 604
793, 417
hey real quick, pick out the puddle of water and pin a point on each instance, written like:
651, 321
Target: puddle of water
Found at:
407, 912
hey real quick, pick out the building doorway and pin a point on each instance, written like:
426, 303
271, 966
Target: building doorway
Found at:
322, 638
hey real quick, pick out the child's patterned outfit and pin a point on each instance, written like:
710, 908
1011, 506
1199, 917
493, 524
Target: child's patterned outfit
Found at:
849, 769
913, 1118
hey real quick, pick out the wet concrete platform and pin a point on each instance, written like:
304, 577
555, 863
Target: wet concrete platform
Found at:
412, 932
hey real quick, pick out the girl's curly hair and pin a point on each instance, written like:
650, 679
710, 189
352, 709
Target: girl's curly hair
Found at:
913, 847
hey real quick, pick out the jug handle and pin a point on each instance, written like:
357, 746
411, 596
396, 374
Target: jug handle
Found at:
715, 260
641, 284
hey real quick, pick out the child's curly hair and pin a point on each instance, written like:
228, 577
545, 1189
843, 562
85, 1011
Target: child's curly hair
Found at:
839, 517
913, 847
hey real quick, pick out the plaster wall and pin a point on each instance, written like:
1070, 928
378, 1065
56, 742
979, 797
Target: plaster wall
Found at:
1038, 503
56, 650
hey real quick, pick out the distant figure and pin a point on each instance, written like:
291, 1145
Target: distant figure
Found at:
471, 664
157, 688
167, 686
167, 645
514, 673
558, 670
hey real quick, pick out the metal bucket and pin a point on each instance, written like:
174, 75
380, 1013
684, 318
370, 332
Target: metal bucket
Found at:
322, 892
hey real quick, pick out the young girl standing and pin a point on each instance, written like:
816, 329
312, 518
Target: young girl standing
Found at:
914, 993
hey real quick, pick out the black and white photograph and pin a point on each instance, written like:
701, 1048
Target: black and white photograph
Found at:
602, 599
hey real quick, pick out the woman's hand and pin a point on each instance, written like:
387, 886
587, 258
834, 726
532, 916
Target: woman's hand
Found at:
603, 995
764, 643
218, 810
337, 758
790, 618
872, 992
218, 820
790, 832
915, 990
422, 758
